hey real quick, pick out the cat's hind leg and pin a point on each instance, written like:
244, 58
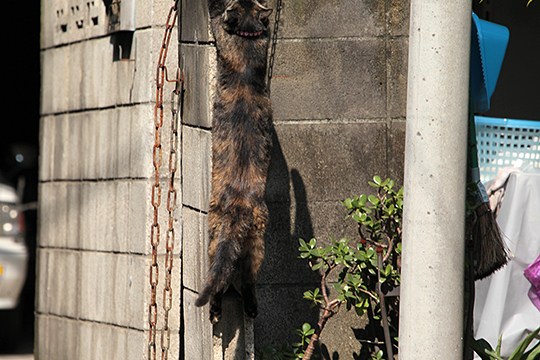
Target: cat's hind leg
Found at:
253, 259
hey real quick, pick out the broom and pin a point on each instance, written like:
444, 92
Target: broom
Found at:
489, 250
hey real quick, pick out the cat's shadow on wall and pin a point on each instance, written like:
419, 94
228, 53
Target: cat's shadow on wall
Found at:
284, 276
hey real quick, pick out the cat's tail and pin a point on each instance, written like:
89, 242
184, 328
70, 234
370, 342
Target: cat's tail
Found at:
221, 270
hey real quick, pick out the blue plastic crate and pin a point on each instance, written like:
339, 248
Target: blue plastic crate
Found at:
502, 142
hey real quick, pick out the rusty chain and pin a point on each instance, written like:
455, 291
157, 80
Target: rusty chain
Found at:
157, 158
270, 72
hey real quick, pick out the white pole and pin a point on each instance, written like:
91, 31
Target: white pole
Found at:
431, 314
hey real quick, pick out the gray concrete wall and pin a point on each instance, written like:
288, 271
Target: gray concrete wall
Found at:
339, 105
94, 192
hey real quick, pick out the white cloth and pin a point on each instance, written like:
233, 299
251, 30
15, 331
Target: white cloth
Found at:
502, 306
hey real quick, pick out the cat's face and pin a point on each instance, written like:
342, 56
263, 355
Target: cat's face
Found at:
246, 18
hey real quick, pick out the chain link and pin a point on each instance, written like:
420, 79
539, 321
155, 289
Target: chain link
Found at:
273, 44
157, 159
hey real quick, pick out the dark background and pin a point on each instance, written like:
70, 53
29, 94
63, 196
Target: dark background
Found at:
517, 95
19, 130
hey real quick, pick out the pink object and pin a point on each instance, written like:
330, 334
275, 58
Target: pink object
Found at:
532, 273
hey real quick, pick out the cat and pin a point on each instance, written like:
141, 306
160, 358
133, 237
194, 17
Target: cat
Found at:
241, 144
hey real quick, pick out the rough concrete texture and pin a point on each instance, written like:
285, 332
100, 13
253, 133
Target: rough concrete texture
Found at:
338, 96
96, 171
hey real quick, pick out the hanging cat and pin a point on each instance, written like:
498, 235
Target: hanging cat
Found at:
241, 143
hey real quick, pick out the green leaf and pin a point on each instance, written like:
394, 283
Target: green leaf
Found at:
520, 350
306, 328
534, 353
373, 199
482, 348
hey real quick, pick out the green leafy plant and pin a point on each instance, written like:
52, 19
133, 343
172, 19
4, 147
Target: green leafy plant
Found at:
486, 352
367, 269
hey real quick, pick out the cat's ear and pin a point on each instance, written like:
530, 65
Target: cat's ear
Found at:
264, 14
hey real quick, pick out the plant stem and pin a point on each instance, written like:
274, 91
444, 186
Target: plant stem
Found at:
327, 314
384, 315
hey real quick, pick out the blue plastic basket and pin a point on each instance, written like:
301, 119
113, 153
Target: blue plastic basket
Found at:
501, 142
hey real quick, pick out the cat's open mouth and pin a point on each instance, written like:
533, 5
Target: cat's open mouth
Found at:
249, 34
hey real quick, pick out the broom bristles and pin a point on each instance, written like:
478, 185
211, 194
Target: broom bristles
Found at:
490, 253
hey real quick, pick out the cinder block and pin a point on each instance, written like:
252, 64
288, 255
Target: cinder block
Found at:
396, 150
140, 216
281, 311
46, 215
281, 249
397, 17
115, 289
54, 92
196, 167
397, 58
290, 221
340, 333
199, 65
104, 280
73, 208
72, 20
196, 322
330, 79
152, 13
59, 338
174, 313
233, 335
104, 141
195, 244
105, 341
61, 147
46, 143
76, 86
53, 224
330, 19
342, 158
74, 152
88, 216
59, 282
195, 26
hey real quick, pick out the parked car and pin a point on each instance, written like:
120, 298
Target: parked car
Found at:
13, 250
14, 259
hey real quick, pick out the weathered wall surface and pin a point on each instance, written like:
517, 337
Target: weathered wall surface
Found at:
338, 96
95, 169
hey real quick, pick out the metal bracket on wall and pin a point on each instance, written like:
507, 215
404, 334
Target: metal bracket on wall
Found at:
120, 14
121, 25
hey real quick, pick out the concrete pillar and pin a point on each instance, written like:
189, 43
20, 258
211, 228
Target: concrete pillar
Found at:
431, 324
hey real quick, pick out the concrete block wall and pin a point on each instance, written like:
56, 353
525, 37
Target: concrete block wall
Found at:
96, 173
338, 94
